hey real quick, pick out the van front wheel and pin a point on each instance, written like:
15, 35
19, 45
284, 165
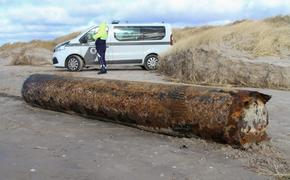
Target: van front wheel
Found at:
74, 63
151, 62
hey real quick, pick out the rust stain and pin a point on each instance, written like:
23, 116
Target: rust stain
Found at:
233, 117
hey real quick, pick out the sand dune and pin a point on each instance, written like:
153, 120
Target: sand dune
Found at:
244, 53
35, 52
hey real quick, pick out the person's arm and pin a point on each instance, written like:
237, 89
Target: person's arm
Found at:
97, 35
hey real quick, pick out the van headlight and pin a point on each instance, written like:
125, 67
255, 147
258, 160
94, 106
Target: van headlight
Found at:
59, 48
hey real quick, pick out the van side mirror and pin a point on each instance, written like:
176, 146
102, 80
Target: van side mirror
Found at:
84, 39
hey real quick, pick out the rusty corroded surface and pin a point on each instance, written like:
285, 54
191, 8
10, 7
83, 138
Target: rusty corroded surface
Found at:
234, 117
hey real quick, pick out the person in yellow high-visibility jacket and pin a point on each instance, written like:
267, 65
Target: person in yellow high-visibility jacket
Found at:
100, 41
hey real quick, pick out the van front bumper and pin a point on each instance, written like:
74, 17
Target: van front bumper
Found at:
58, 59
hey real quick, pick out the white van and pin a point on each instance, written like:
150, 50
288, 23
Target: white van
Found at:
136, 44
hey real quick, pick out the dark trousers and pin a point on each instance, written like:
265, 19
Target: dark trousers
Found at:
101, 49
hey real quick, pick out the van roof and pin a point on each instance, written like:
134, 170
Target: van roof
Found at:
140, 24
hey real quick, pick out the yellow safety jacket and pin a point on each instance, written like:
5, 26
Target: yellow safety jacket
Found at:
102, 32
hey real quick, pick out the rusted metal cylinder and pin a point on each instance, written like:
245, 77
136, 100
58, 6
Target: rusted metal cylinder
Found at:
235, 117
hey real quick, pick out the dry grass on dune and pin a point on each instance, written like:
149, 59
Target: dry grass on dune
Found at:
179, 34
279, 20
35, 52
258, 38
66, 37
38, 43
208, 66
241, 54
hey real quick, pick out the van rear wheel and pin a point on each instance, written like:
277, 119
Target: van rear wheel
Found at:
74, 63
151, 62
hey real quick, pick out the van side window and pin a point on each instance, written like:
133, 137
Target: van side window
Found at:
127, 33
153, 32
139, 33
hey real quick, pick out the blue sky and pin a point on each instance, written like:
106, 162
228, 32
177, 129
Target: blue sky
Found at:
25, 20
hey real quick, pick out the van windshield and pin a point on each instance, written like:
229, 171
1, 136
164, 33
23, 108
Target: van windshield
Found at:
90, 34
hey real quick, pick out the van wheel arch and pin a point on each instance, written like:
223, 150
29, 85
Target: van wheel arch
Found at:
78, 56
151, 54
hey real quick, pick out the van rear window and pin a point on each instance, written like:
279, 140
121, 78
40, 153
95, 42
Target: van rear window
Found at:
139, 33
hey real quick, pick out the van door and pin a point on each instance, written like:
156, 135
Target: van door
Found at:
126, 45
90, 53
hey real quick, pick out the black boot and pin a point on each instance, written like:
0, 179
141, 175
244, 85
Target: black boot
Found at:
103, 71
